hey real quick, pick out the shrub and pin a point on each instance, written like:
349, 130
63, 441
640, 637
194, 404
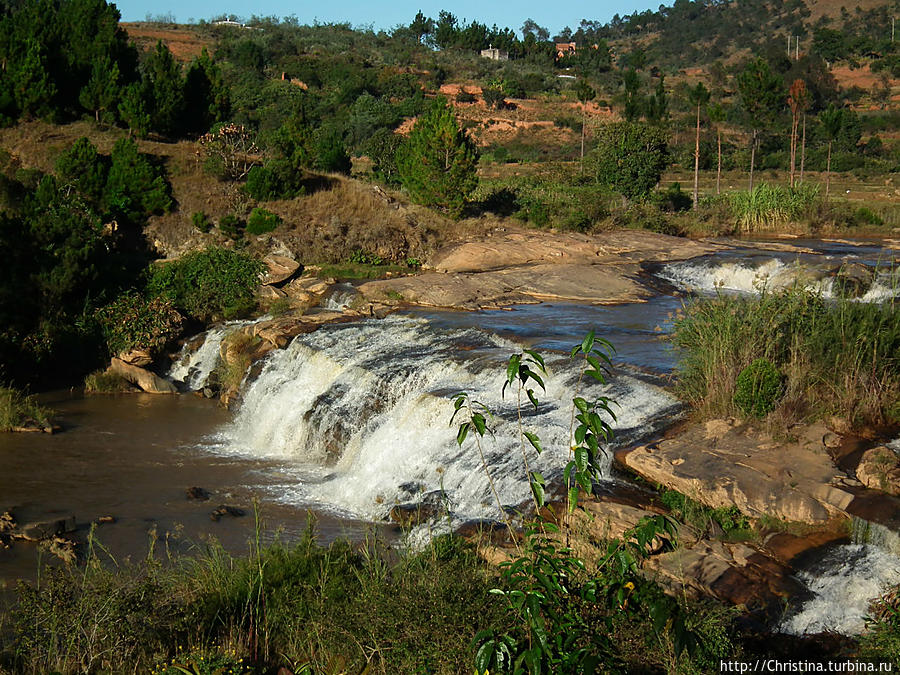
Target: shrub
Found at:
630, 157
464, 96
262, 221
231, 226
208, 285
757, 388
133, 322
201, 221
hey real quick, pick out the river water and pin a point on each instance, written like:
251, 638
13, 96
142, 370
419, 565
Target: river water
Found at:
354, 419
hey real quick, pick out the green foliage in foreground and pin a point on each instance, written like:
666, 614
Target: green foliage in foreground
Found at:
838, 357
207, 285
19, 410
882, 636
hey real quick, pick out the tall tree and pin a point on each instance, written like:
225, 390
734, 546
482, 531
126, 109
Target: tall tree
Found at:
421, 26
761, 97
166, 88
585, 93
102, 91
33, 89
832, 120
798, 101
717, 115
698, 97
437, 163
206, 100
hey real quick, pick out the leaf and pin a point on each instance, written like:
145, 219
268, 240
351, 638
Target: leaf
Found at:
580, 403
512, 368
588, 343
461, 434
532, 398
534, 440
537, 358
573, 498
537, 489
480, 424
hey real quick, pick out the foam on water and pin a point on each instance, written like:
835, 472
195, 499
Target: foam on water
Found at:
843, 582
359, 416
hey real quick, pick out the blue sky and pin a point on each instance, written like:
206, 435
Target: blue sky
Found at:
388, 15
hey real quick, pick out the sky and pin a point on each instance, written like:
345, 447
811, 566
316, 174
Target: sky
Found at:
386, 15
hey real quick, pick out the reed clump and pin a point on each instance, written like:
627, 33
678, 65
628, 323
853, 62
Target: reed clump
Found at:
837, 357
18, 410
769, 206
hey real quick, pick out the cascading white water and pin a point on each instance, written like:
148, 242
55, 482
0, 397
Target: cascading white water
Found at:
751, 275
358, 416
843, 582
193, 367
340, 297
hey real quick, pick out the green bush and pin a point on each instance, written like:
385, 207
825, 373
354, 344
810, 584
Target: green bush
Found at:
103, 382
201, 221
232, 226
133, 322
208, 285
262, 221
757, 388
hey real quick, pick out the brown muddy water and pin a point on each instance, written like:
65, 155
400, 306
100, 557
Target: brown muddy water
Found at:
133, 457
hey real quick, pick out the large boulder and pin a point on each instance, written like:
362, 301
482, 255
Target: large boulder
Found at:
144, 379
879, 469
279, 268
722, 466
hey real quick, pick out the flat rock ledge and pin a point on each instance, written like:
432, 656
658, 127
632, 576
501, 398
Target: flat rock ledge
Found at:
721, 464
528, 266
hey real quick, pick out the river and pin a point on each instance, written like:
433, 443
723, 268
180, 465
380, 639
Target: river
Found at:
354, 418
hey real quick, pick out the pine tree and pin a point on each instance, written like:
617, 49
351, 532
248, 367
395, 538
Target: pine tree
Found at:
133, 110
762, 96
33, 89
206, 100
437, 164
166, 88
102, 91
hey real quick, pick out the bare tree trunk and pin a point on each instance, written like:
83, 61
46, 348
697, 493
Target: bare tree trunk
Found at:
719, 167
582, 137
697, 161
828, 170
752, 158
795, 121
803, 149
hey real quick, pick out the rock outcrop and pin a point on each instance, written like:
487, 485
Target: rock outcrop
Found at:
722, 466
879, 469
142, 378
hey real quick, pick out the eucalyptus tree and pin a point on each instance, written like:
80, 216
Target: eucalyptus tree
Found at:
698, 97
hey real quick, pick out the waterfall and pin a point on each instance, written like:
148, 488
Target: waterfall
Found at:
358, 417
193, 367
843, 582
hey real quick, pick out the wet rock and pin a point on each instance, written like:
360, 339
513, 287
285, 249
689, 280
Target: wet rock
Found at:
879, 469
227, 510
197, 493
64, 549
106, 520
7, 522
279, 268
45, 529
144, 379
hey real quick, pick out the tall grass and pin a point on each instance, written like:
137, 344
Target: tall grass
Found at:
768, 206
839, 357
293, 605
18, 410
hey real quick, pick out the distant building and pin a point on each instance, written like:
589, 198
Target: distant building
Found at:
564, 49
495, 54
